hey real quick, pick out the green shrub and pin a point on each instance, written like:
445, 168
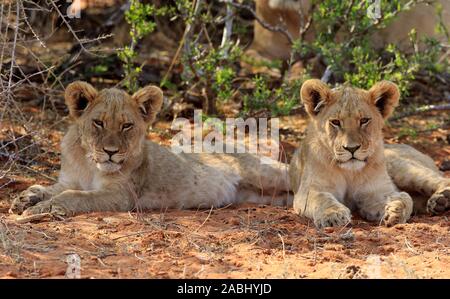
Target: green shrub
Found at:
141, 19
277, 102
210, 69
355, 60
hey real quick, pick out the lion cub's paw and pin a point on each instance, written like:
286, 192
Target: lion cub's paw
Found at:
334, 216
396, 212
31, 196
50, 206
439, 201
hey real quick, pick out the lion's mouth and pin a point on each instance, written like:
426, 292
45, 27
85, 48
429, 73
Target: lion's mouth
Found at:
353, 164
356, 159
115, 162
109, 166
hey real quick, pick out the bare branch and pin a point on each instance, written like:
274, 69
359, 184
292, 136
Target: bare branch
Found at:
228, 29
282, 30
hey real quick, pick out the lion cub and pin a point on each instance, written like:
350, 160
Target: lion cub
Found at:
108, 165
343, 164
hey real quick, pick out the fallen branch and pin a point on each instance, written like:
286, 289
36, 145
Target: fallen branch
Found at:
31, 218
422, 109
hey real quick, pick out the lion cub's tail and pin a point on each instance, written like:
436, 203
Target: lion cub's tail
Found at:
263, 180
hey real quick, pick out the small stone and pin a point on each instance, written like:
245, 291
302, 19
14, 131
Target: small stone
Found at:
11, 274
235, 221
328, 229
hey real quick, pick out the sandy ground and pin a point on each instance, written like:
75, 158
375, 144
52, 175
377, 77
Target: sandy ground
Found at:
236, 242
247, 241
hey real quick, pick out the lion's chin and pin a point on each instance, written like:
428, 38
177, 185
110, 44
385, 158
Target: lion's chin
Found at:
353, 165
108, 167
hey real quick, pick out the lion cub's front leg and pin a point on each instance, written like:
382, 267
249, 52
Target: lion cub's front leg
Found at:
393, 208
72, 202
33, 195
323, 208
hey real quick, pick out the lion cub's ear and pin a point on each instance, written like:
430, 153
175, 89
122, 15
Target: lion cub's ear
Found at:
150, 100
78, 96
385, 96
314, 94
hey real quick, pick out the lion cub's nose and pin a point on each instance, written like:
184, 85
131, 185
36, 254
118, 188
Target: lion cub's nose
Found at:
352, 149
110, 151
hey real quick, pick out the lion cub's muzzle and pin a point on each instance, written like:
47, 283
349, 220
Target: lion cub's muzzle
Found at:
351, 157
109, 160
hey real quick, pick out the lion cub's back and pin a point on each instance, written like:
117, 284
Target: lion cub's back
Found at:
181, 181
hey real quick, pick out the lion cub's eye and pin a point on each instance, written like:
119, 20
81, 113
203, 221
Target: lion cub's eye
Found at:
98, 123
364, 121
127, 126
335, 122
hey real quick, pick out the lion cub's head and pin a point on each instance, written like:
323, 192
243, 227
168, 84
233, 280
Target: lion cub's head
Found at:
112, 124
348, 121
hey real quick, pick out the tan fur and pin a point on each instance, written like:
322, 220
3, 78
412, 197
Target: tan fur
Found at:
270, 45
108, 165
417, 174
329, 180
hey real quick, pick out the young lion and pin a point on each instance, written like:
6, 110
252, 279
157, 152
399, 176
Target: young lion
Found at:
343, 165
108, 165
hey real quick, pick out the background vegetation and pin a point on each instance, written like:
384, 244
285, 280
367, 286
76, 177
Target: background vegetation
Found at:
194, 50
